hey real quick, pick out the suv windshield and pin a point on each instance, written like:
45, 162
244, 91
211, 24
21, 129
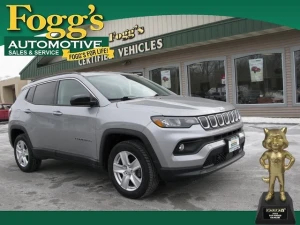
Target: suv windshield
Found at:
126, 87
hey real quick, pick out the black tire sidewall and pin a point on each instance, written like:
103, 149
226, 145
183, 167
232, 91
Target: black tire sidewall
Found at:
132, 148
27, 168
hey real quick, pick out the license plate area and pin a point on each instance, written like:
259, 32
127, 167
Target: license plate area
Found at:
233, 143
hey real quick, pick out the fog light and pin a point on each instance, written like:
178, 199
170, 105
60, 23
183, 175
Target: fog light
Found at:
181, 147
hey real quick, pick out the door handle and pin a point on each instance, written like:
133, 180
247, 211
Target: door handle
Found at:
27, 111
57, 113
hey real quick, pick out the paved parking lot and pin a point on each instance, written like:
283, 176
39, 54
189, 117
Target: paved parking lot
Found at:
66, 186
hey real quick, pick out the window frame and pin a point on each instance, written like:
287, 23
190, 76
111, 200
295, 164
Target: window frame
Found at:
187, 77
293, 70
57, 91
52, 81
28, 89
234, 80
148, 69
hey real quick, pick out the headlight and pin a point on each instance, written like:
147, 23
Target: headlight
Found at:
174, 122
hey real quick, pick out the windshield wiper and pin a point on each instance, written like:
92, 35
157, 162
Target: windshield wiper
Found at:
125, 98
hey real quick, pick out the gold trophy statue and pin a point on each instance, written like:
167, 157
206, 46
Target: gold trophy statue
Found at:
275, 208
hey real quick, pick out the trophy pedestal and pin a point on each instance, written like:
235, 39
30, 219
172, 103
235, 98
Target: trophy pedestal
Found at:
275, 211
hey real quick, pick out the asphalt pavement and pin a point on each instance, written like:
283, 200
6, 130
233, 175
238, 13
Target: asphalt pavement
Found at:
62, 185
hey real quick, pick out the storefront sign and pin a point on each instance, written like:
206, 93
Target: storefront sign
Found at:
127, 51
256, 70
71, 43
165, 78
127, 34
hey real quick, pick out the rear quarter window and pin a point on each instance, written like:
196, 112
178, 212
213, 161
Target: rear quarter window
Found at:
29, 95
44, 94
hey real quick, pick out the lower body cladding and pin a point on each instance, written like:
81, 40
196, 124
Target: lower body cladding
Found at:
184, 154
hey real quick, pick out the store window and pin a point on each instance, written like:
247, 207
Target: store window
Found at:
259, 79
207, 80
297, 75
168, 77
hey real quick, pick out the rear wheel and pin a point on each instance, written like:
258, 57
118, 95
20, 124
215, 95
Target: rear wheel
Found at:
131, 170
24, 156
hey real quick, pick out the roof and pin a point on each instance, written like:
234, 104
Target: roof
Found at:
72, 75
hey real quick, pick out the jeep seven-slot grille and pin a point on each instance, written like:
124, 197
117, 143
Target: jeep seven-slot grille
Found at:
219, 120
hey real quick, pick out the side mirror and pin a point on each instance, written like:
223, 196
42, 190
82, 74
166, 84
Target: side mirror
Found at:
84, 100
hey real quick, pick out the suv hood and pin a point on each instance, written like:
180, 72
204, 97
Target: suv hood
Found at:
176, 105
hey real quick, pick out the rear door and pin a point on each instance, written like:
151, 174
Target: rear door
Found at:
77, 124
41, 121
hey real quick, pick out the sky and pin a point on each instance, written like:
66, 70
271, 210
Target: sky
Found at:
11, 66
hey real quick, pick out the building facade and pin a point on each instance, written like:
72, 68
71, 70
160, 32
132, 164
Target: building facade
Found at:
251, 64
10, 89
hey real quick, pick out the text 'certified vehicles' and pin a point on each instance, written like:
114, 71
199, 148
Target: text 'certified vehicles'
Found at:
138, 131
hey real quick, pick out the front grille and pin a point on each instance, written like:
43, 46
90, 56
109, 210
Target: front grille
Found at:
219, 120
204, 122
213, 121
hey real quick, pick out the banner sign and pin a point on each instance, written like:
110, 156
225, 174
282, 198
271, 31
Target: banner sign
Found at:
256, 70
70, 43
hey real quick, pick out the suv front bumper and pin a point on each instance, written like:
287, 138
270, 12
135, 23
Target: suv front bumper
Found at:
212, 154
168, 174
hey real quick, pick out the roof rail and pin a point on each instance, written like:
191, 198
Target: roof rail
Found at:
54, 75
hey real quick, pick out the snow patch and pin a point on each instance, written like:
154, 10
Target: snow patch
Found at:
271, 120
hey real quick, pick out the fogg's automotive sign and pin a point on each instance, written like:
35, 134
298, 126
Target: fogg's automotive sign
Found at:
58, 40
127, 34
127, 51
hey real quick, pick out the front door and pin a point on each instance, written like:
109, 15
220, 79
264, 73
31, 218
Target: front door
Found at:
77, 124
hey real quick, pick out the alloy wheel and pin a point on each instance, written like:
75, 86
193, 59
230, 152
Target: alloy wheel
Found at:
22, 153
127, 171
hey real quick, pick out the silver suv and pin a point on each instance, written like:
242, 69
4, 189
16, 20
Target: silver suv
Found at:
137, 130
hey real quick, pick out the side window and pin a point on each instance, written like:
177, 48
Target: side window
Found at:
67, 89
44, 94
29, 96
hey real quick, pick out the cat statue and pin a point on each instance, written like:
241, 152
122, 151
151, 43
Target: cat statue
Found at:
276, 143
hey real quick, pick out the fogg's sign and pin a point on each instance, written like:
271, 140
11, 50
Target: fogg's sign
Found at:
127, 34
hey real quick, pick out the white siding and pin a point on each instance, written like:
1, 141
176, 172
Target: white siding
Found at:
154, 25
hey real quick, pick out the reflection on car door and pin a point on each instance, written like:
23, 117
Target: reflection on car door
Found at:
77, 124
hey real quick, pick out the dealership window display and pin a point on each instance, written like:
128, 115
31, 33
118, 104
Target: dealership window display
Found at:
168, 77
259, 79
297, 74
207, 80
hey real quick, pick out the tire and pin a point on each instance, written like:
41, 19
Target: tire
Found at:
33, 164
147, 176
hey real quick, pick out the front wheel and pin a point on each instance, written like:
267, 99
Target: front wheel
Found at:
131, 170
24, 156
